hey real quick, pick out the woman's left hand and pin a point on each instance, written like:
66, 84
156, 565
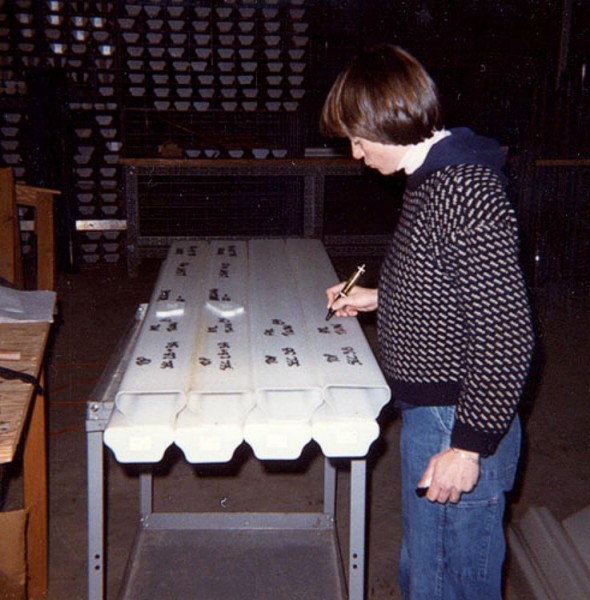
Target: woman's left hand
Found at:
450, 474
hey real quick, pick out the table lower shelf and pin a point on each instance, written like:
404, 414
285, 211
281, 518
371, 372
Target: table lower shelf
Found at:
242, 563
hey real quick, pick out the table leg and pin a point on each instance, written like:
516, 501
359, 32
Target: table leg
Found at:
356, 573
35, 497
329, 487
95, 481
146, 498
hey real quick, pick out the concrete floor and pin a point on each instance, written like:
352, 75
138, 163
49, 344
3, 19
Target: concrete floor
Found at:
95, 307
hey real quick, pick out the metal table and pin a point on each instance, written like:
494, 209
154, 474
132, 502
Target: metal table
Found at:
227, 555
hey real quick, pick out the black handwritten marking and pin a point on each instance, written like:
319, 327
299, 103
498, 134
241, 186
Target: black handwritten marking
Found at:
181, 269
351, 356
228, 326
331, 358
291, 357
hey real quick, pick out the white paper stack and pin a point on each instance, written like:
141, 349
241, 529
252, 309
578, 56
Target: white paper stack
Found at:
26, 306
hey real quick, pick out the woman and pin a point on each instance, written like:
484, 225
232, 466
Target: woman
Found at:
453, 321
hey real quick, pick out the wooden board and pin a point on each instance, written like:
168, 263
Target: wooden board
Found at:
15, 396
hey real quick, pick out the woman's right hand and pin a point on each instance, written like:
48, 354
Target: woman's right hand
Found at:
359, 299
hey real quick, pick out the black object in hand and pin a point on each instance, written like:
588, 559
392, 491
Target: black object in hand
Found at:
421, 492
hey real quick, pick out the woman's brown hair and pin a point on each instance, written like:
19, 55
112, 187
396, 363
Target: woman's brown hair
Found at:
384, 95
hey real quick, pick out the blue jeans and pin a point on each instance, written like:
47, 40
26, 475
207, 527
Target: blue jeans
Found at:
452, 551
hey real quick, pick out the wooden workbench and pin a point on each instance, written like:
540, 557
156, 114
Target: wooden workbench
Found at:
22, 417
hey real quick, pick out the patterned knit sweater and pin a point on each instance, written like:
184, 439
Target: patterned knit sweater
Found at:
454, 321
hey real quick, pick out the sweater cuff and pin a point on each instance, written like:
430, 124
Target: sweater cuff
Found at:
465, 437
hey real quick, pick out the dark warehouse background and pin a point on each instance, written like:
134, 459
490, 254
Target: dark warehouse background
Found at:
84, 84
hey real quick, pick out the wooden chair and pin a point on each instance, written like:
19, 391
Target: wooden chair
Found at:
11, 261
